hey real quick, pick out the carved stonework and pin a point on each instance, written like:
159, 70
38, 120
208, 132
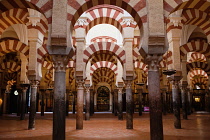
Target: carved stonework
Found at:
81, 22
34, 17
128, 22
80, 84
87, 87
34, 83
128, 84
120, 89
60, 62
153, 61
175, 84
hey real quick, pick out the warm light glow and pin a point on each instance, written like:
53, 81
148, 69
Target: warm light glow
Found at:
197, 99
1, 102
16, 93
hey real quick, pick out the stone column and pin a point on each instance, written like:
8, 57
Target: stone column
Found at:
23, 101
67, 102
74, 102
115, 102
176, 101
184, 100
80, 100
32, 114
120, 104
59, 108
91, 102
129, 105
42, 101
140, 101
155, 102
164, 101
5, 103
87, 95
189, 102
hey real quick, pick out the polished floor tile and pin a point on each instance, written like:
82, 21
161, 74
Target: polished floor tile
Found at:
105, 126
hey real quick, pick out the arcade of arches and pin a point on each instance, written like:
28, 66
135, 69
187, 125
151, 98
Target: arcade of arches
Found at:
119, 55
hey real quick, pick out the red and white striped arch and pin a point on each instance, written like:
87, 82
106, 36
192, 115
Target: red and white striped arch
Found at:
10, 66
195, 46
171, 6
76, 8
197, 72
141, 65
195, 56
198, 18
43, 6
13, 46
47, 65
104, 64
201, 80
201, 65
42, 53
103, 39
104, 47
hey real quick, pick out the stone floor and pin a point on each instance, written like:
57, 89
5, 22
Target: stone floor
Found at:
105, 126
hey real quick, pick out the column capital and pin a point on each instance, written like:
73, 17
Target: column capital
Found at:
120, 89
80, 83
128, 84
153, 61
60, 62
34, 83
87, 87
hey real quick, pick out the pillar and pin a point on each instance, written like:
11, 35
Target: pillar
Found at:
80, 96
87, 98
42, 101
23, 101
91, 102
184, 101
140, 101
115, 102
74, 102
120, 104
164, 101
32, 114
189, 99
129, 105
176, 101
155, 102
59, 108
67, 102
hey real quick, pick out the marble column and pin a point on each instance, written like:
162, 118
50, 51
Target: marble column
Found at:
91, 102
129, 105
74, 102
32, 114
23, 101
164, 101
184, 100
67, 102
189, 99
115, 102
155, 102
5, 103
87, 98
140, 101
59, 106
42, 101
176, 103
120, 104
80, 101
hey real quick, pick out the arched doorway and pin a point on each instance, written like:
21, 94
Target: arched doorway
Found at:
103, 98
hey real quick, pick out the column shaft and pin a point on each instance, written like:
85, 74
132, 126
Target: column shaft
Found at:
164, 102
120, 105
87, 113
155, 102
184, 103
115, 102
42, 103
79, 115
129, 106
67, 102
59, 109
91, 102
140, 101
23, 103
74, 102
32, 114
176, 105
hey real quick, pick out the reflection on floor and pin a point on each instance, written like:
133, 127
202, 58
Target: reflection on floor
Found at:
106, 126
